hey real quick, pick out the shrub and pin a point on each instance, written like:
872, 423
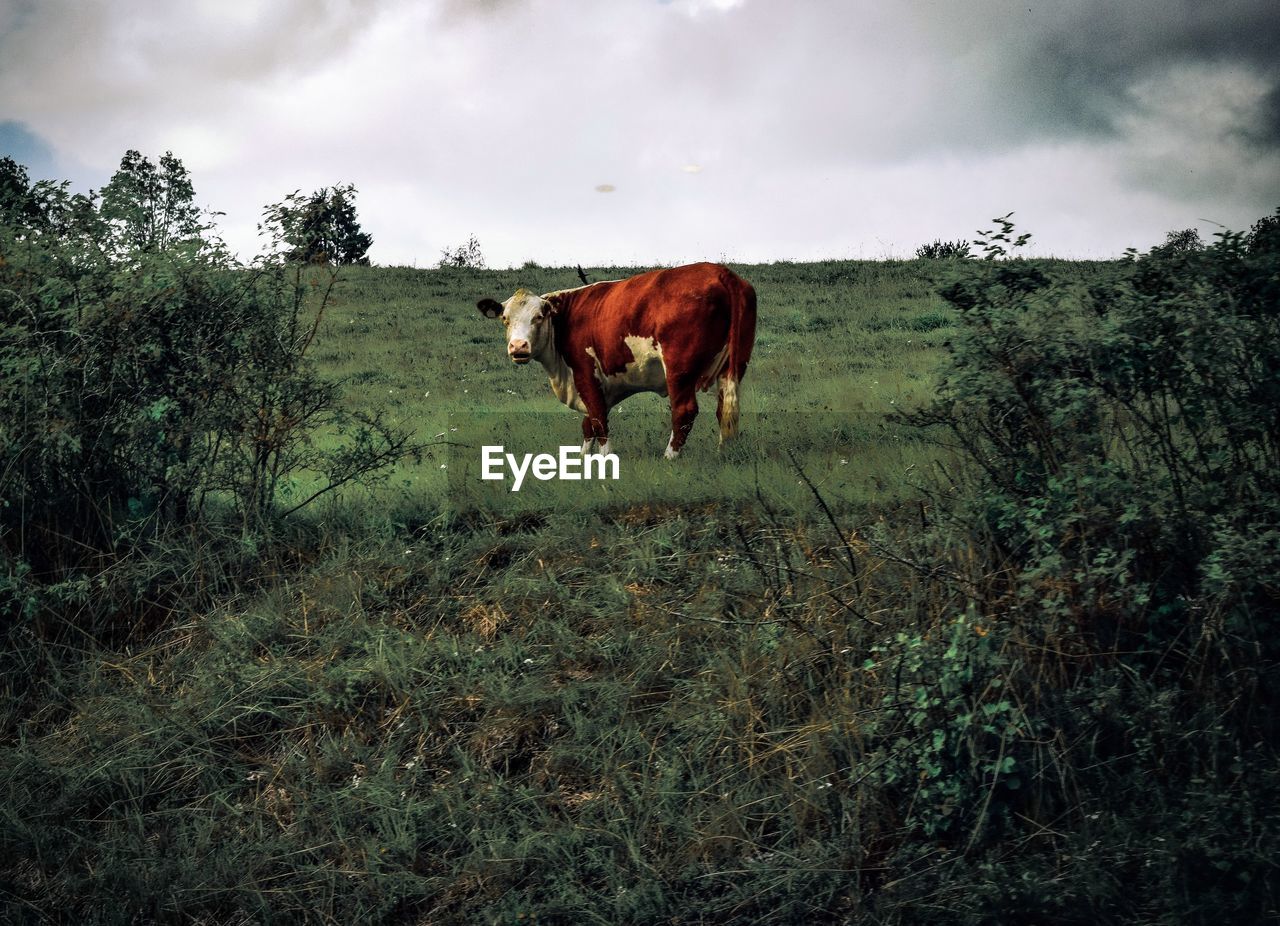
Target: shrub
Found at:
943, 250
135, 389
1128, 431
464, 256
1115, 523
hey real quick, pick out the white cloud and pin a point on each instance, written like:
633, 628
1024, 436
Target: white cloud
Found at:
1189, 132
699, 7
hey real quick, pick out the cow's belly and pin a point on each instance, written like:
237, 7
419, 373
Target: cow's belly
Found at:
647, 372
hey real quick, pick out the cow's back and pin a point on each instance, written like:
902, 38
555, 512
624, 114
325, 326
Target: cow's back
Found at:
686, 311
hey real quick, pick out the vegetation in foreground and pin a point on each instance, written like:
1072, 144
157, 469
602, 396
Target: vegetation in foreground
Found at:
1036, 687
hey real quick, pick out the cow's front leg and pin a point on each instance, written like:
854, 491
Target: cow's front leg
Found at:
595, 426
684, 408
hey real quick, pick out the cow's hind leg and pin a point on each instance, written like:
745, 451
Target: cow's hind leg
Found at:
595, 434
684, 408
727, 408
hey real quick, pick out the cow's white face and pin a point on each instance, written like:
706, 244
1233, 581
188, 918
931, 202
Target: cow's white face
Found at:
528, 322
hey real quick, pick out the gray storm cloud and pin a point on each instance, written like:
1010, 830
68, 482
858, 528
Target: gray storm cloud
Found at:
1085, 66
960, 76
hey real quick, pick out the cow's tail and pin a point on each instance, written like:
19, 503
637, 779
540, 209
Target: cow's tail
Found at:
742, 336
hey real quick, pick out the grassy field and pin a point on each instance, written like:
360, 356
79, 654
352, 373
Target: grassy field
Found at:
840, 346
689, 696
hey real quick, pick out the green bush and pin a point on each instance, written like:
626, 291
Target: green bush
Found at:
139, 387
1128, 433
1115, 522
943, 250
953, 742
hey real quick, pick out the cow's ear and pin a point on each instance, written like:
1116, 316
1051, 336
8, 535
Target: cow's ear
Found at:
490, 308
553, 305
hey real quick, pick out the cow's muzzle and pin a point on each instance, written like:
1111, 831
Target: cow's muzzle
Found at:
519, 351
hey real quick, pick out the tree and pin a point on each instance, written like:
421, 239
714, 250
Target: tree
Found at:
1264, 237
1182, 241
152, 208
47, 211
17, 204
319, 228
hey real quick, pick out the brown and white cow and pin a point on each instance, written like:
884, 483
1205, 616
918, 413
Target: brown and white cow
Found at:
672, 332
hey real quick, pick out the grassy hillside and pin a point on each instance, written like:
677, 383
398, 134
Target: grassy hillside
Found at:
695, 695
840, 346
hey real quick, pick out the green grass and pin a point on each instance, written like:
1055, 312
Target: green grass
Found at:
493, 717
678, 698
839, 347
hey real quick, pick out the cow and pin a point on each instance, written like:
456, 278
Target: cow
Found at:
671, 331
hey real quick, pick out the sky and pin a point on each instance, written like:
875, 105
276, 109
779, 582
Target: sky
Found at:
638, 132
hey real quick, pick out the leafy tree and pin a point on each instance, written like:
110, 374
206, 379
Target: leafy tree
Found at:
468, 255
320, 227
152, 208
1264, 237
1182, 241
17, 202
